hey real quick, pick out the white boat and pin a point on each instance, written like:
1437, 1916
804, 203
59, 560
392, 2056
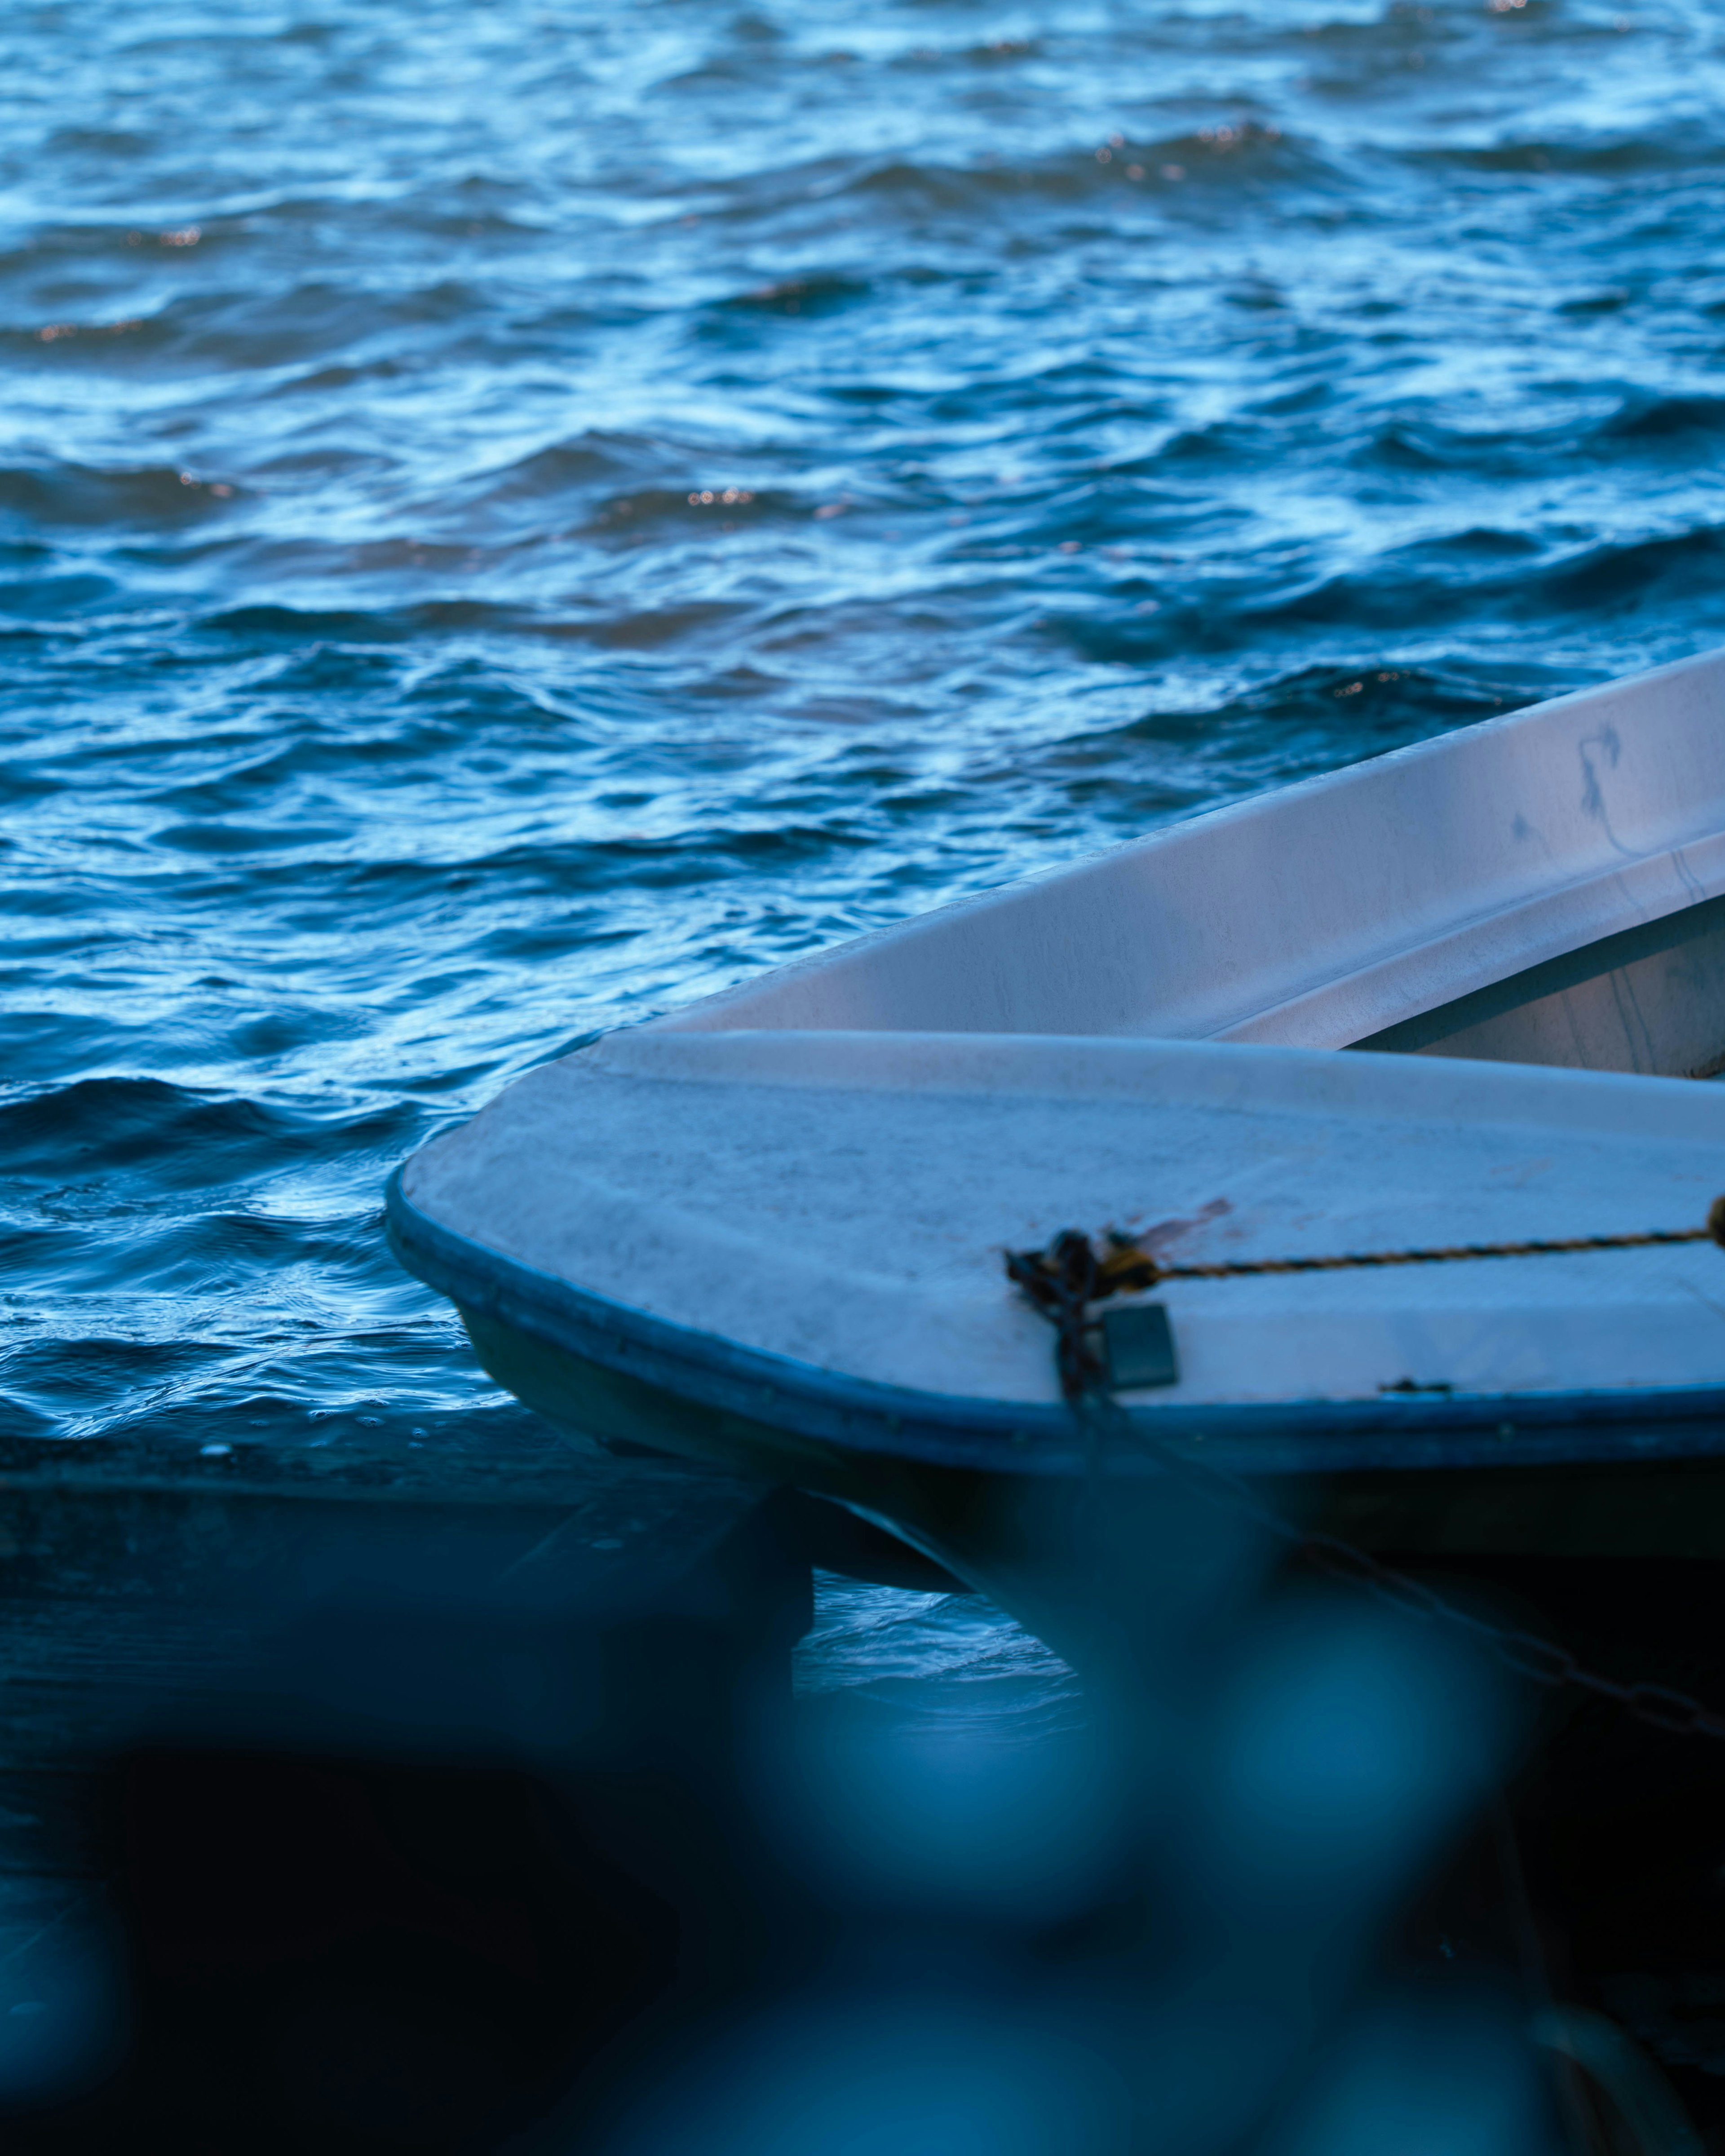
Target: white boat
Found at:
769, 1230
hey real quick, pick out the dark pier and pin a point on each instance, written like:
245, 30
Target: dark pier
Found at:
211, 1654
418, 1764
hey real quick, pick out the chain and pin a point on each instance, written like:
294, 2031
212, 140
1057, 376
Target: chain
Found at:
1064, 1281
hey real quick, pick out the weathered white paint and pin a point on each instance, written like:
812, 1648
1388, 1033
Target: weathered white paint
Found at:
1323, 914
844, 1199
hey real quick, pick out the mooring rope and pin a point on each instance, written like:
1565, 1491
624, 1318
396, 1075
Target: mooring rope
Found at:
1126, 1267
1066, 1278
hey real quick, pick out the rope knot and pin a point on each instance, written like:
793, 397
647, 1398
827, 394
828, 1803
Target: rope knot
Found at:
1064, 1280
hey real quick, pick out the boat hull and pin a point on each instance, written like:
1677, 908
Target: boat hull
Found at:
1651, 1500
1583, 1474
766, 1232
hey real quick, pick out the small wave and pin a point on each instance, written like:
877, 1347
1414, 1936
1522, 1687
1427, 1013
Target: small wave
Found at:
79, 495
64, 339
1005, 51
568, 467
355, 634
1224, 441
1661, 149
323, 320
47, 599
812, 295
1371, 701
100, 1124
624, 517
237, 840
341, 625
1644, 419
1685, 566
1466, 550
1405, 443
54, 1387
99, 142
650, 630
1164, 168
179, 1138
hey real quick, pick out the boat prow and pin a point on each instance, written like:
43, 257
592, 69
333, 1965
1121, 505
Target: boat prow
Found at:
769, 1230
788, 1248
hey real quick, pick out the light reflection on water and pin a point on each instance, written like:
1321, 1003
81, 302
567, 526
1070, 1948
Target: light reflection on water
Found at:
906, 1658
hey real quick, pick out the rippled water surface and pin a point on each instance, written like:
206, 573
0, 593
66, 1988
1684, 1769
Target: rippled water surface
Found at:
513, 516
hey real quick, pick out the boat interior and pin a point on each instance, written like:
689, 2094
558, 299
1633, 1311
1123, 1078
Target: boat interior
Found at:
1547, 888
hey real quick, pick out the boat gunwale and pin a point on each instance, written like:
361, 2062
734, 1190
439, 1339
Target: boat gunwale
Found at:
1410, 1433
1330, 999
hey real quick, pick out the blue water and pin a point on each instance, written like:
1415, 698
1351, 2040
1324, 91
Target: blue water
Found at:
515, 515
